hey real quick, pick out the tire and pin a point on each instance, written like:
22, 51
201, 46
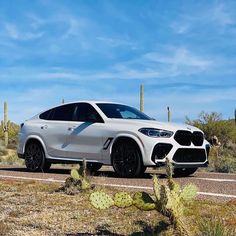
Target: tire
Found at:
35, 158
126, 159
184, 172
94, 167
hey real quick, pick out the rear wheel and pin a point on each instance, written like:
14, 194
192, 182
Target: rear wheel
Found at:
35, 158
183, 172
126, 159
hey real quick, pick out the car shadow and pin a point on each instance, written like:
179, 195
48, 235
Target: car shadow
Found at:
66, 171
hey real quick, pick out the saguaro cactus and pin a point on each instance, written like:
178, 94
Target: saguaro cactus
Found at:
142, 98
5, 124
235, 116
168, 111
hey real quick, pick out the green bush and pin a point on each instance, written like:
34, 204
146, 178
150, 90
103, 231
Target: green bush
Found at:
212, 124
3, 150
215, 227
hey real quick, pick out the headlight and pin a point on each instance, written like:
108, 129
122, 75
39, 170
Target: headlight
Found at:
156, 133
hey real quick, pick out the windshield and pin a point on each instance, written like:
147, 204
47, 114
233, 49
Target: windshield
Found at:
122, 111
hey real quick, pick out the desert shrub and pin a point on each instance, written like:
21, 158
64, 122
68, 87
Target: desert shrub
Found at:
222, 160
3, 150
12, 134
215, 227
12, 160
212, 124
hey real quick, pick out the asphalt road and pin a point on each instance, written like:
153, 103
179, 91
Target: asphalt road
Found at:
215, 186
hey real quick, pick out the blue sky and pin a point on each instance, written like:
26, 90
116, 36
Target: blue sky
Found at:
184, 52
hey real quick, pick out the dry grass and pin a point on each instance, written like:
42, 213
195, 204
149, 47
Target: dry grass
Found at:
10, 158
32, 208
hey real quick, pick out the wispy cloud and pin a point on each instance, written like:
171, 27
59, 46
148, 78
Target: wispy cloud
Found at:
116, 42
221, 15
183, 53
14, 33
180, 27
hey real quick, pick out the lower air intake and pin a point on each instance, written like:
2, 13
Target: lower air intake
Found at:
190, 155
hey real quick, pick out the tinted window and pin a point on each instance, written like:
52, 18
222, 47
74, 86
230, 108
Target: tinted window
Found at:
45, 115
121, 111
86, 113
64, 113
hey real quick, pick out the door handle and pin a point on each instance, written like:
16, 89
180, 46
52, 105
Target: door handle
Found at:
44, 127
72, 128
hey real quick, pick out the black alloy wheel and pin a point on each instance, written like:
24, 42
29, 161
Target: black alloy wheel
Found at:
126, 159
35, 158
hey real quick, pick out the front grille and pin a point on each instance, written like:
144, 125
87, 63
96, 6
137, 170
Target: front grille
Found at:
189, 155
185, 138
197, 138
160, 151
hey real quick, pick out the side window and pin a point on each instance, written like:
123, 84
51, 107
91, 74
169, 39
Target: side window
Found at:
86, 113
64, 113
45, 115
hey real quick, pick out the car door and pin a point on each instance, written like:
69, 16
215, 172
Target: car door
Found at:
54, 129
85, 138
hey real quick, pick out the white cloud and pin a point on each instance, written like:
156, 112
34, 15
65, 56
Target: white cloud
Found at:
14, 33
116, 42
221, 15
180, 57
180, 27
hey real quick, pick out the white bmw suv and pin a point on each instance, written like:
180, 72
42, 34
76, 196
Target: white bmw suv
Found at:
107, 133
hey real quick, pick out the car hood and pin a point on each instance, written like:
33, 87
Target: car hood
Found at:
154, 124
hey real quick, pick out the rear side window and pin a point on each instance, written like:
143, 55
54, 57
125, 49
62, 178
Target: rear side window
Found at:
46, 115
64, 113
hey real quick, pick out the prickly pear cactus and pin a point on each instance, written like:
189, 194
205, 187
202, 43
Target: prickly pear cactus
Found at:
123, 199
143, 201
85, 184
75, 175
101, 200
188, 193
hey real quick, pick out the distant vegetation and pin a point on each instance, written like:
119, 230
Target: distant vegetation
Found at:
13, 131
222, 135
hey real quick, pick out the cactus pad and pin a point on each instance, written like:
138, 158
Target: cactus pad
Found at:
75, 175
156, 187
123, 199
143, 201
101, 200
188, 192
85, 184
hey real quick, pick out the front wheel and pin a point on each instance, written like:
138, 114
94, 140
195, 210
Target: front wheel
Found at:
126, 159
35, 158
184, 172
